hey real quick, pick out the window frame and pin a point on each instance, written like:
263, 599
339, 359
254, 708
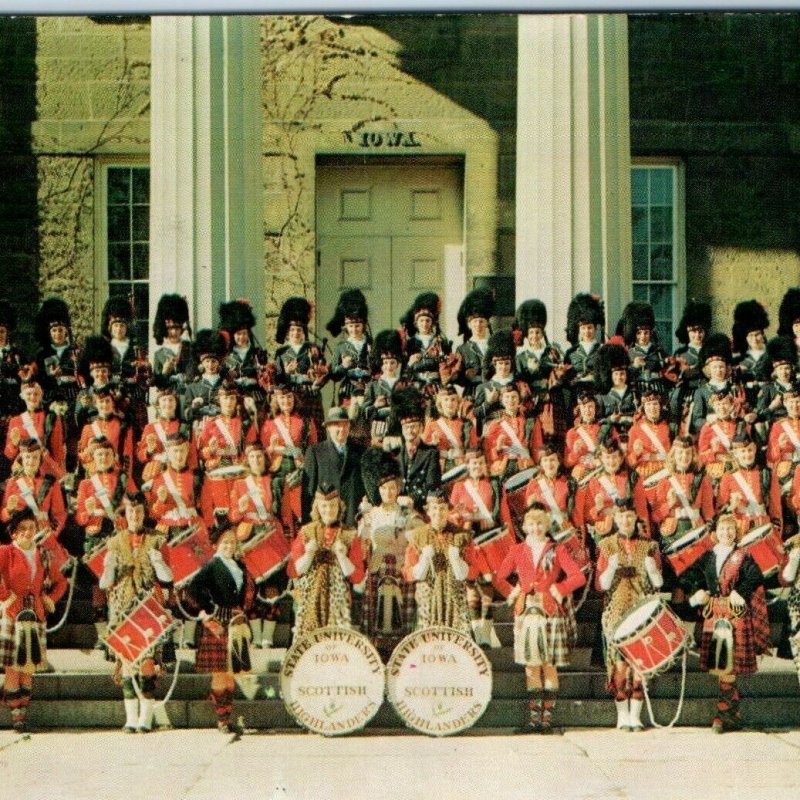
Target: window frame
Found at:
678, 236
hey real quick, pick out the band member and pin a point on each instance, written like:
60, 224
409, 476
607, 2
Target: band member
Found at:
326, 560
783, 451
244, 360
335, 461
751, 361
30, 587
715, 362
58, 358
691, 333
133, 567
95, 370
714, 444
107, 424
789, 318
544, 622
647, 358
199, 398
116, 328
585, 322
350, 365
221, 447
782, 353
223, 590
616, 399
386, 358
14, 365
583, 438
173, 495
173, 358
511, 441
438, 559
613, 483
479, 504
749, 492
426, 347
452, 430
789, 577
419, 462
298, 360
649, 437
726, 584
628, 569
45, 426
388, 610
253, 510
286, 435
476, 309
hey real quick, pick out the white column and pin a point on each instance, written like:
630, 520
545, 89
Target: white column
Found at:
573, 163
206, 215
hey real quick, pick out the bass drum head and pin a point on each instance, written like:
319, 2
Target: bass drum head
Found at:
439, 681
636, 617
332, 681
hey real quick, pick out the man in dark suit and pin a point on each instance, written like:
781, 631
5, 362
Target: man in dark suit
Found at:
337, 460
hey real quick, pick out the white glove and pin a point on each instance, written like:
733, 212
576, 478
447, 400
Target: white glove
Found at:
109, 568
304, 562
607, 578
359, 588
7, 603
557, 596
736, 600
427, 552
790, 570
656, 578
699, 598
162, 569
345, 564
513, 595
457, 564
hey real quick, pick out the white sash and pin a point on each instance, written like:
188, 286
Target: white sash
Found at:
223, 429
26, 490
284, 432
610, 487
651, 435
180, 506
693, 513
753, 506
722, 436
792, 434
255, 496
30, 426
550, 499
523, 451
98, 431
587, 440
161, 433
102, 495
448, 432
478, 500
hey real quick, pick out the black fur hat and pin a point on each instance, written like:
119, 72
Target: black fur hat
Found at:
636, 315
408, 403
716, 345
695, 315
387, 341
295, 310
377, 467
170, 306
789, 311
426, 302
116, 309
235, 316
209, 342
96, 350
478, 303
531, 314
54, 310
782, 349
501, 345
584, 308
352, 305
8, 316
749, 315
609, 358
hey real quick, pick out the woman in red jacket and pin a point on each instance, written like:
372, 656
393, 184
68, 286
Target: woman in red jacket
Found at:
544, 622
30, 586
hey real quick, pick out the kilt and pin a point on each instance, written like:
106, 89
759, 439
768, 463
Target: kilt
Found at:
212, 651
7, 649
559, 633
408, 605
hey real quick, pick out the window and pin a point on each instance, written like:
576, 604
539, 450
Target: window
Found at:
127, 234
657, 239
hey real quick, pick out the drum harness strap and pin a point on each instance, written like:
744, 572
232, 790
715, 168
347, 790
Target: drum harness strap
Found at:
255, 496
478, 500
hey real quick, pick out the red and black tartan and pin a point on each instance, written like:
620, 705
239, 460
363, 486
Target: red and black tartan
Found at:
212, 652
7, 648
388, 569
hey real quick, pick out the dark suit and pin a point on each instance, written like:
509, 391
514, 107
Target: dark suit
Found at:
323, 463
214, 585
421, 474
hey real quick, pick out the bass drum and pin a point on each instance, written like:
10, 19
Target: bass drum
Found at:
439, 681
332, 681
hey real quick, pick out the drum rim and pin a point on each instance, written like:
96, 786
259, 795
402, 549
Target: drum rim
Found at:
766, 529
698, 533
647, 600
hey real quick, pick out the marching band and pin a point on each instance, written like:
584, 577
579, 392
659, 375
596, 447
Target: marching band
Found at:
444, 480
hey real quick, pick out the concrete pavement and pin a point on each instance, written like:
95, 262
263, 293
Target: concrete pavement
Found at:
589, 764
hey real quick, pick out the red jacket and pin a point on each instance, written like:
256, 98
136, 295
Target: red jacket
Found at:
16, 578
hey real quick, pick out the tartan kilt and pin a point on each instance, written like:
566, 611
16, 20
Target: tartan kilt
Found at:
7, 644
212, 651
745, 644
560, 631
370, 605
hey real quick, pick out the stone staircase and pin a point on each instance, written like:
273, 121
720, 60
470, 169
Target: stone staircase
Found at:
78, 691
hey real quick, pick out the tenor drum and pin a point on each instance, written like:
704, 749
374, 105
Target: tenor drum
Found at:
265, 552
765, 548
332, 681
439, 681
516, 487
492, 548
650, 637
146, 625
95, 558
683, 552
187, 553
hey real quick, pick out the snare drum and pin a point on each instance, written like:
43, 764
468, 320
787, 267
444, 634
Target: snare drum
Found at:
683, 552
187, 553
516, 487
56, 551
492, 551
764, 546
146, 625
265, 552
228, 472
95, 559
650, 637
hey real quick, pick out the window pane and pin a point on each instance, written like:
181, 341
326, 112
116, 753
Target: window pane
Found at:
122, 289
661, 262
119, 186
661, 300
661, 187
119, 262
119, 225
141, 223
640, 271
640, 293
141, 185
660, 224
639, 186
639, 224
664, 333
141, 256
